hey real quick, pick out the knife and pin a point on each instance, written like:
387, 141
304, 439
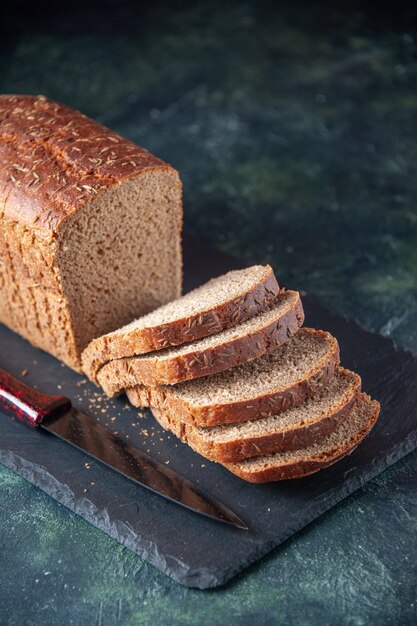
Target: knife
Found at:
55, 415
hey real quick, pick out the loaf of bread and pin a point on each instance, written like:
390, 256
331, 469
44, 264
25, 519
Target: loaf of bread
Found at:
90, 227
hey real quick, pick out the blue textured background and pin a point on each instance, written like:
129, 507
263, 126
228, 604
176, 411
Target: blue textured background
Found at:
294, 127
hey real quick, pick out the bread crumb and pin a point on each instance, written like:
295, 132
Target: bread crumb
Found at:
24, 372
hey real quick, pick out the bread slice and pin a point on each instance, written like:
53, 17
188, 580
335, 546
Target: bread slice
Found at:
220, 303
298, 463
284, 378
295, 428
210, 355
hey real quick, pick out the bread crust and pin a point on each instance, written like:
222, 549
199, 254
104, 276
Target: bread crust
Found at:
55, 159
124, 373
248, 409
241, 448
203, 324
300, 469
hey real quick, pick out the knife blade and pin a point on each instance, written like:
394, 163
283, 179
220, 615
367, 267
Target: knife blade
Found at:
55, 416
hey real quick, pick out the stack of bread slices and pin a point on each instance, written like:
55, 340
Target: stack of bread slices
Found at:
229, 369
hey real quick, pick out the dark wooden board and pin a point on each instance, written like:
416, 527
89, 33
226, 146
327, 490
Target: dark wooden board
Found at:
191, 549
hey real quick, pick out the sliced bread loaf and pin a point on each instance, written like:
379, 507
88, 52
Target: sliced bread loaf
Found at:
90, 227
308, 460
295, 428
220, 303
282, 379
210, 355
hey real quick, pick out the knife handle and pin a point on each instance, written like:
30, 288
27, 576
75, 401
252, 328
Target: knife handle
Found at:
26, 404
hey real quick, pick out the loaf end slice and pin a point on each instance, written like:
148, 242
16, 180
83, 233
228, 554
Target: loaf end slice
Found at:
282, 379
230, 348
295, 428
221, 303
300, 463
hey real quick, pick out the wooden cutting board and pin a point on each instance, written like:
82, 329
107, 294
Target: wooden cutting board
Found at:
191, 549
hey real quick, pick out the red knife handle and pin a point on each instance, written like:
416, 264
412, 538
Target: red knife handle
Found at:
27, 404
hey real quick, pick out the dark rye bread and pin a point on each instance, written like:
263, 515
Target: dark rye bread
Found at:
210, 355
90, 227
295, 428
221, 303
298, 463
282, 379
